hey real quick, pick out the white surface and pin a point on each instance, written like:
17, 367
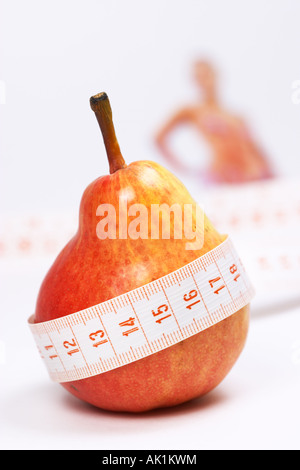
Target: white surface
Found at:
256, 407
54, 55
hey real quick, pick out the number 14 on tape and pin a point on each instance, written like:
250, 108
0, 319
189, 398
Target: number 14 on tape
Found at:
146, 320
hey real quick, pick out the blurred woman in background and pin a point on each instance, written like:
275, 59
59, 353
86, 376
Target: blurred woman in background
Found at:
235, 157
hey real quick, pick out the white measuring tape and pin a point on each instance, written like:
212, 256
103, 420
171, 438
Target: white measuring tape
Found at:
145, 320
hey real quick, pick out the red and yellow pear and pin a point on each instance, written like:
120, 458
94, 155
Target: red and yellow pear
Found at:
90, 270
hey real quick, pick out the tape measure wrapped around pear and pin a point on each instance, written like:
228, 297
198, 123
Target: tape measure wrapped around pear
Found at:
121, 245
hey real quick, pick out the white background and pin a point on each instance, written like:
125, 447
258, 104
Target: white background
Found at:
54, 56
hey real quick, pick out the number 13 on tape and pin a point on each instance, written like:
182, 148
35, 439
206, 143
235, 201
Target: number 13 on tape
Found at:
145, 320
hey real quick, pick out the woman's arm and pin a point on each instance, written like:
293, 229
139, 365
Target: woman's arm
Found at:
181, 117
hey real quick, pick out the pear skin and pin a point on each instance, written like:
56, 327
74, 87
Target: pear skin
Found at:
90, 270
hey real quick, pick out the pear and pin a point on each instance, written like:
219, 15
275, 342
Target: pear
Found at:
93, 268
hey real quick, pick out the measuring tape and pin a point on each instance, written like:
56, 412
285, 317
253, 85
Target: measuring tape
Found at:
145, 320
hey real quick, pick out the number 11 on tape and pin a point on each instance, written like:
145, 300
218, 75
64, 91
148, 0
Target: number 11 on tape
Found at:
146, 320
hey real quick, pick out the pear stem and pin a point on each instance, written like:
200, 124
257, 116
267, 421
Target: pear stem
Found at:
101, 106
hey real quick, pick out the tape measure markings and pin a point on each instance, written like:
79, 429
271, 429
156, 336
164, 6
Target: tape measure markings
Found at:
116, 356
172, 311
146, 320
222, 277
102, 324
50, 346
135, 313
77, 343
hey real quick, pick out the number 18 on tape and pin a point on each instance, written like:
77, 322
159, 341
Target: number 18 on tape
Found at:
145, 320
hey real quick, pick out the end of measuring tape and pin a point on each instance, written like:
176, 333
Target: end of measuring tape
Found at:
145, 320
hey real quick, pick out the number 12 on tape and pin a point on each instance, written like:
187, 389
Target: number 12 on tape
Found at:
146, 320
